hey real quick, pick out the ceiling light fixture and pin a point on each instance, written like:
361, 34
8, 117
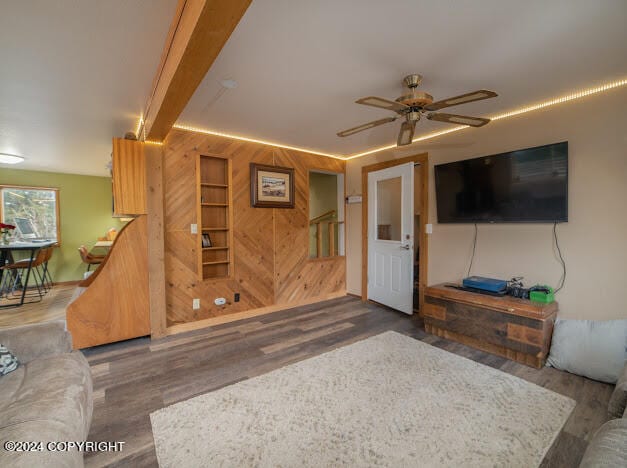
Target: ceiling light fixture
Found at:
428, 136
6, 158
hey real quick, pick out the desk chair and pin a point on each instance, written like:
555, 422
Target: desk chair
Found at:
88, 258
14, 275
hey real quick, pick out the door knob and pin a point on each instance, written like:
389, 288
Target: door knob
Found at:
405, 247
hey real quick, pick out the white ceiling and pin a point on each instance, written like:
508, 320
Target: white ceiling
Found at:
73, 74
301, 65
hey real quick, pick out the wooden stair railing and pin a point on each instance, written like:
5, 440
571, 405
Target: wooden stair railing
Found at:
114, 305
330, 232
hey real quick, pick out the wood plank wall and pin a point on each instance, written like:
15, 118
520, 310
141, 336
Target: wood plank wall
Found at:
271, 247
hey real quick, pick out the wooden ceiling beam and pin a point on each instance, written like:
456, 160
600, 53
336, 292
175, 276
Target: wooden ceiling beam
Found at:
198, 32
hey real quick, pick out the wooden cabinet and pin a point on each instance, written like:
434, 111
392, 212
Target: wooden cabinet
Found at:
514, 328
215, 217
129, 177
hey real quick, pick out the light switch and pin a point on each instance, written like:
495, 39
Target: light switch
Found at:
429, 228
194, 228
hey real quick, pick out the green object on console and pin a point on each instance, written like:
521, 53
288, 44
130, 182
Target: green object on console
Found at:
541, 296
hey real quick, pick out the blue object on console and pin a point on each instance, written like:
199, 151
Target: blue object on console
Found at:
485, 284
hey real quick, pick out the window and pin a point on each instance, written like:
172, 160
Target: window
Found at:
33, 210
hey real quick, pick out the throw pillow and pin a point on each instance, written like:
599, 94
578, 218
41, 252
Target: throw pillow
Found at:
8, 362
594, 349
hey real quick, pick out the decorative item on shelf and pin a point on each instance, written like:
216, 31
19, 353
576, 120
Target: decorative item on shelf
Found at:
6, 229
271, 186
206, 241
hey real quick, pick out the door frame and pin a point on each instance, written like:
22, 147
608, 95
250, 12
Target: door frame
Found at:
423, 160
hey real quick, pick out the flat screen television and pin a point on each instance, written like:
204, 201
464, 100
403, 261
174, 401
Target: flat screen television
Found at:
524, 186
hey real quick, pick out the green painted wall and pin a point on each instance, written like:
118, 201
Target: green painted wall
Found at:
85, 211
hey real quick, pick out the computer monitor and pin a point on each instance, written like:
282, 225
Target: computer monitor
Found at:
26, 228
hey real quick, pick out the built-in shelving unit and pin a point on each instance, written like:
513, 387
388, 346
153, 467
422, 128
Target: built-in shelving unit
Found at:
215, 217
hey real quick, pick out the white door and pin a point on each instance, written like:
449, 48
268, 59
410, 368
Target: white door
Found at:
391, 237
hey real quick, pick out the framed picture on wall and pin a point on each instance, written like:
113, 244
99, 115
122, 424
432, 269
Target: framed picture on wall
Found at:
271, 186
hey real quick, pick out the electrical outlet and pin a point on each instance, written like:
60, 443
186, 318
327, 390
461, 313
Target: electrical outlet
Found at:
220, 301
195, 304
236, 297
194, 228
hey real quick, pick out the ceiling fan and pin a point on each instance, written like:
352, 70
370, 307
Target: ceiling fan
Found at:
413, 104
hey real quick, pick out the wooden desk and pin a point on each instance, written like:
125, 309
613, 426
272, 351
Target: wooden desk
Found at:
514, 328
31, 248
103, 243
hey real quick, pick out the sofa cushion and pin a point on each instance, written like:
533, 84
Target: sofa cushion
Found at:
47, 431
8, 362
37, 340
594, 349
618, 400
608, 447
10, 385
55, 392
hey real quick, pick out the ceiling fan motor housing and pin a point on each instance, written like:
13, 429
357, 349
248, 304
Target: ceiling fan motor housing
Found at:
414, 98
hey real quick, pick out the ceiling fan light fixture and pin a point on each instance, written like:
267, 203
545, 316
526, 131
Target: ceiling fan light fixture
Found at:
6, 158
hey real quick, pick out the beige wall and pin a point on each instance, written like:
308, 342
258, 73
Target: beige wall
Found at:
594, 241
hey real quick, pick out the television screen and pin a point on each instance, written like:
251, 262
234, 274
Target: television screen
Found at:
524, 186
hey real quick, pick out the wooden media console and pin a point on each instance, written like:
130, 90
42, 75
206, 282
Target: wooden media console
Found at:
516, 329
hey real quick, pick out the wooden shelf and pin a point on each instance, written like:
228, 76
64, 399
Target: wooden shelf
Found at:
215, 216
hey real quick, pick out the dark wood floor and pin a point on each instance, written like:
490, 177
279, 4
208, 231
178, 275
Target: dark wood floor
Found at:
136, 377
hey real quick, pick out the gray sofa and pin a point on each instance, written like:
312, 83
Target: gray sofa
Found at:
608, 447
48, 398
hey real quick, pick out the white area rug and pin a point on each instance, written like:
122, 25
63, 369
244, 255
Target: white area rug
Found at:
389, 400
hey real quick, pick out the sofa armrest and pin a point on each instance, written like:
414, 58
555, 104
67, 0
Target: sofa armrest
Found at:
29, 342
618, 400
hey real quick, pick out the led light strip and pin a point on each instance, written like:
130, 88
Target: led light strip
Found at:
559, 100
428, 136
140, 126
253, 140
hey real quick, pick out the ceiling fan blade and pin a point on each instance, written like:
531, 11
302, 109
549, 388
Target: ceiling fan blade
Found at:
366, 126
406, 135
459, 119
462, 99
382, 103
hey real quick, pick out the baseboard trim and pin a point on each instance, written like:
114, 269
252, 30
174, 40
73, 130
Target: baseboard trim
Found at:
66, 283
186, 327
